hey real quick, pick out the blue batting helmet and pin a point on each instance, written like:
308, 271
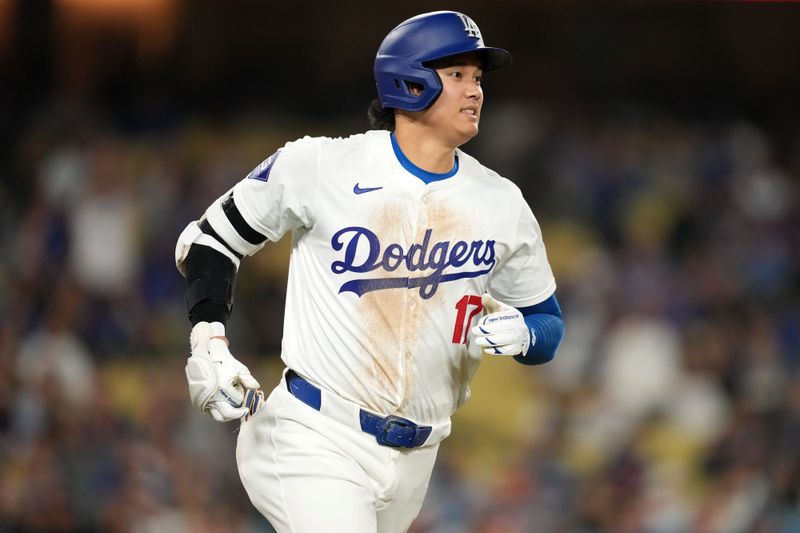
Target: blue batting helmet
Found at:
403, 53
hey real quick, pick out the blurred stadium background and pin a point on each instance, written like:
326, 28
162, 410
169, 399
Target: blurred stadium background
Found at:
658, 143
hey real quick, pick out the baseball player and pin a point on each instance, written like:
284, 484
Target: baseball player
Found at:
410, 263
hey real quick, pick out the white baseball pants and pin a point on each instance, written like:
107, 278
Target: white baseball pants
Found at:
307, 473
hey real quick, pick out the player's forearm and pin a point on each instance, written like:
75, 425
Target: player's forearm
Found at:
547, 327
210, 282
208, 255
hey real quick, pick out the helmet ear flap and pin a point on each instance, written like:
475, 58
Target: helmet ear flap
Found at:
411, 91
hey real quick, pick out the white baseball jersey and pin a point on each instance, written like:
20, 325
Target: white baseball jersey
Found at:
388, 265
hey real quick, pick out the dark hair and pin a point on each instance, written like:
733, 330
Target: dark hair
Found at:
380, 118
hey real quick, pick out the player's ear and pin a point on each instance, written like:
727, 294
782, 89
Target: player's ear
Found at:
414, 88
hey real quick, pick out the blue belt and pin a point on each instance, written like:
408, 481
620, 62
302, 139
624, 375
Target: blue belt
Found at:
393, 431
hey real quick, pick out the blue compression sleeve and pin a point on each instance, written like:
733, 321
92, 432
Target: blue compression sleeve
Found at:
545, 321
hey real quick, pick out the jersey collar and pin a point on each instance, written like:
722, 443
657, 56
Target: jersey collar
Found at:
424, 175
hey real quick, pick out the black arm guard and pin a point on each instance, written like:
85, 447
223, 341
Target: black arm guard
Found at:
210, 280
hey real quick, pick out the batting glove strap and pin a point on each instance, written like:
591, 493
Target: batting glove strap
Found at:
503, 331
217, 381
253, 400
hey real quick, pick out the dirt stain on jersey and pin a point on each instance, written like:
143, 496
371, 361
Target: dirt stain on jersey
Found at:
384, 313
444, 222
448, 223
394, 319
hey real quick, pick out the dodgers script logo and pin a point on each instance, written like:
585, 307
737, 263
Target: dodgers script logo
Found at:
430, 259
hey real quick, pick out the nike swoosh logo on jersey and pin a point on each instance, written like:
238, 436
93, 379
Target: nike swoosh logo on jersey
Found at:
359, 190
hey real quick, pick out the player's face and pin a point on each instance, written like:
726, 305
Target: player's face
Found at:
457, 112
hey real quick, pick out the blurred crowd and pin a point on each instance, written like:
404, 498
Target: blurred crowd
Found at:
673, 404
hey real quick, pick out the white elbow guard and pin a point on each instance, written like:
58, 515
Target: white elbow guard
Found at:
193, 234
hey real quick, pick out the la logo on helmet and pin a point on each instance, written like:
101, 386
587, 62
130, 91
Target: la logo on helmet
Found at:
470, 27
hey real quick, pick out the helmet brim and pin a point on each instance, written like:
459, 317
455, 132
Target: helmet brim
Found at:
491, 58
494, 58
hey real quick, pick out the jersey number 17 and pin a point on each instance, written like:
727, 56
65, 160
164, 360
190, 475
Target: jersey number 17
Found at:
461, 328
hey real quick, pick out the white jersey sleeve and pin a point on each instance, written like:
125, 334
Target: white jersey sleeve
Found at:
524, 278
279, 194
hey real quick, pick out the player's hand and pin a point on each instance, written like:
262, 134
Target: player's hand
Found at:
502, 331
217, 381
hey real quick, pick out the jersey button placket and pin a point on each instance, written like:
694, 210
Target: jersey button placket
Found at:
412, 304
